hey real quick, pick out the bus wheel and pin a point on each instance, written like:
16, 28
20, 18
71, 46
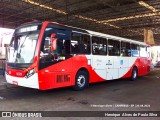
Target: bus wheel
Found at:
81, 80
134, 74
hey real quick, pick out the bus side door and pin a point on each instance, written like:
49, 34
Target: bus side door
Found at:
112, 72
99, 65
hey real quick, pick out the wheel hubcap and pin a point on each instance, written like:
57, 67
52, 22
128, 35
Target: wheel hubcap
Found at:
81, 81
134, 74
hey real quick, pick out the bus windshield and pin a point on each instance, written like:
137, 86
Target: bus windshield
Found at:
22, 46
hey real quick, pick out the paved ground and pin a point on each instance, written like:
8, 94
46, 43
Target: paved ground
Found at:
2, 82
144, 91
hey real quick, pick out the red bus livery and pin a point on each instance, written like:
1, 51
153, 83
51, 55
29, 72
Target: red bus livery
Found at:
47, 55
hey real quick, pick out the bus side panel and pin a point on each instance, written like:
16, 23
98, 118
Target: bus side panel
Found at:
63, 73
143, 66
132, 62
57, 75
85, 61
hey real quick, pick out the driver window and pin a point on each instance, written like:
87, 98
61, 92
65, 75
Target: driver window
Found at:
63, 44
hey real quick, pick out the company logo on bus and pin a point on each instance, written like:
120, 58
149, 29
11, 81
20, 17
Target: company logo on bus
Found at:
109, 62
19, 74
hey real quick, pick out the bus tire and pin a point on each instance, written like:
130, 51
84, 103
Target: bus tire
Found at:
81, 80
134, 73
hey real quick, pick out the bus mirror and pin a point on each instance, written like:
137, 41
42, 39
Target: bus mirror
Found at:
53, 41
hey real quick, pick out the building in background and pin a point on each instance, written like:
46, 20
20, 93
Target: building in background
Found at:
5, 38
155, 55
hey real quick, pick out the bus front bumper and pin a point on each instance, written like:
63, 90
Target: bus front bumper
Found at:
31, 82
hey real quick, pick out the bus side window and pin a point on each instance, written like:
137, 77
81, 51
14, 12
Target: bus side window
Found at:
113, 47
75, 41
128, 48
148, 52
99, 46
66, 44
46, 48
95, 46
143, 51
125, 49
80, 43
85, 41
135, 50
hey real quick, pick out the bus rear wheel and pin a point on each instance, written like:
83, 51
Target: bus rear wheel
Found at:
81, 80
134, 74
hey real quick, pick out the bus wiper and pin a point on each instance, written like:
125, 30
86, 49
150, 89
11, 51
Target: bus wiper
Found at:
19, 51
18, 55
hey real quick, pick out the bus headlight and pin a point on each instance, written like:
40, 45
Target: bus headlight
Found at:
30, 73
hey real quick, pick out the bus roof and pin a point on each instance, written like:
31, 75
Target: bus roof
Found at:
109, 36
116, 37
92, 32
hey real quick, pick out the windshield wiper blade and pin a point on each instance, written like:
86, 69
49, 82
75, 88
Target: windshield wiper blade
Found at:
19, 52
18, 55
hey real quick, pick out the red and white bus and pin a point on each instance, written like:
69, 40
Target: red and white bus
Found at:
47, 55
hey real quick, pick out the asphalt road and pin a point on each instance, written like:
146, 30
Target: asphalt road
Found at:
105, 96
